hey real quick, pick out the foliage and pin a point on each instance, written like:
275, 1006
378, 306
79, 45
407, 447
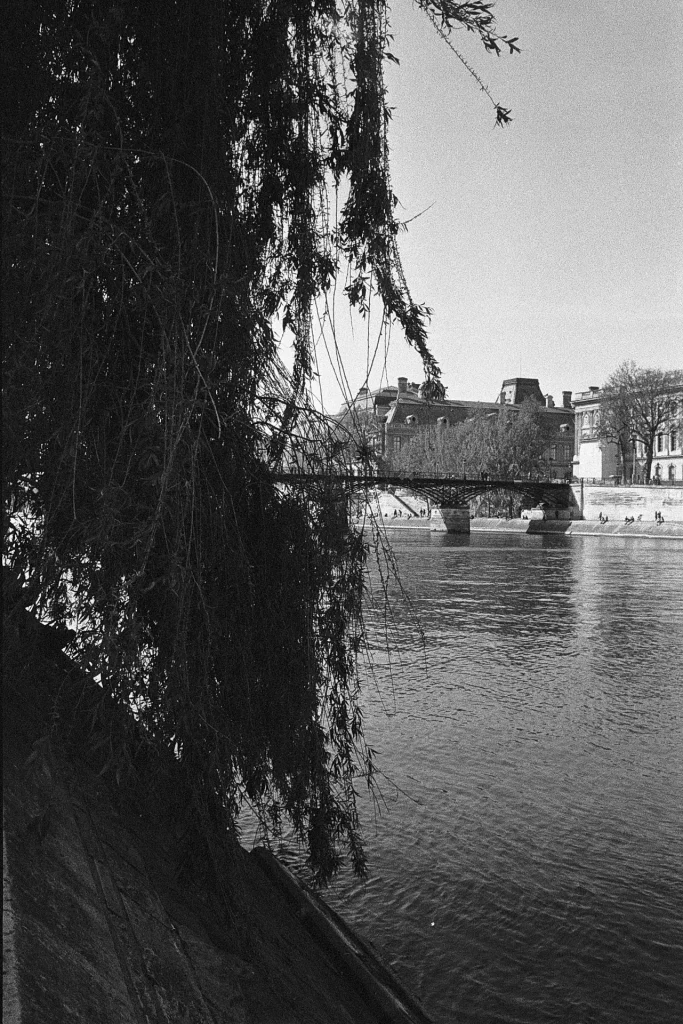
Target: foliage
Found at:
637, 404
503, 444
476, 16
167, 169
432, 390
359, 432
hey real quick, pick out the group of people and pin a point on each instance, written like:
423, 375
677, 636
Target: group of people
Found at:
398, 514
659, 519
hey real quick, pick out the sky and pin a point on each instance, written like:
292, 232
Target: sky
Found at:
552, 248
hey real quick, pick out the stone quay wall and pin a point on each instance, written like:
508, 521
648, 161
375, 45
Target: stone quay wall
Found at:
618, 503
649, 530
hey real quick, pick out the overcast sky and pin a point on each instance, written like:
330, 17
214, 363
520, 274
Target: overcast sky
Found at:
552, 248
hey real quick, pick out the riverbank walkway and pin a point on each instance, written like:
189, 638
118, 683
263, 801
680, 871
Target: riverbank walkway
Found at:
565, 528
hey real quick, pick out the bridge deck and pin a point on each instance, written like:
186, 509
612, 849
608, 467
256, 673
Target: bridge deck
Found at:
444, 491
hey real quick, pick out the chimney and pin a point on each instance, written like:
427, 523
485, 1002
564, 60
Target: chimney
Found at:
549, 402
566, 399
402, 385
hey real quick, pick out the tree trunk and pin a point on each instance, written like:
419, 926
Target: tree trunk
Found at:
649, 456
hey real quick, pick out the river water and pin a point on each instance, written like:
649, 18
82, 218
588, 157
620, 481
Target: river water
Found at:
527, 857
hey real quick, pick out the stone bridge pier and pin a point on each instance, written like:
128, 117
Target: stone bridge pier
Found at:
451, 520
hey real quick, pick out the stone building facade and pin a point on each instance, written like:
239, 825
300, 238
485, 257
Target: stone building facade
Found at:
600, 460
394, 415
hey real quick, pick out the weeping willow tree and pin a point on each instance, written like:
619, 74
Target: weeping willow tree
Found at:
167, 176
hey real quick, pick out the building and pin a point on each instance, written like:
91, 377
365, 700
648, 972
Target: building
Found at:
393, 415
598, 459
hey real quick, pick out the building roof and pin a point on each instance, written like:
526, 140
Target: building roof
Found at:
428, 412
514, 391
517, 389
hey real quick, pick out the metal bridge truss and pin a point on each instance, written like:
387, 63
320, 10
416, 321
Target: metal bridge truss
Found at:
444, 492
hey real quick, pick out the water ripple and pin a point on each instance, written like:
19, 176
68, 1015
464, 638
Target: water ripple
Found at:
528, 862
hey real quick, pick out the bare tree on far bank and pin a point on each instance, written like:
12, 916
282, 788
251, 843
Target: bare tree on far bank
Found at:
636, 405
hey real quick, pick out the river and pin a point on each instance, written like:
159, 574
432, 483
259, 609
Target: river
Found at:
527, 855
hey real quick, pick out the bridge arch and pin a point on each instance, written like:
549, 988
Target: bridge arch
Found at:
445, 492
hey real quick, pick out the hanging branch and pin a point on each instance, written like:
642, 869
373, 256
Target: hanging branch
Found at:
164, 209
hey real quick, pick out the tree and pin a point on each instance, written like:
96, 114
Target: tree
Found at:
614, 423
431, 451
636, 404
504, 444
167, 169
511, 443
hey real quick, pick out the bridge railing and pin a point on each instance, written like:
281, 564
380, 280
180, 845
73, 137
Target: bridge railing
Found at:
375, 479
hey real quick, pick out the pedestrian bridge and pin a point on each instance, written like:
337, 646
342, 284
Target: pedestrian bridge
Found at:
444, 492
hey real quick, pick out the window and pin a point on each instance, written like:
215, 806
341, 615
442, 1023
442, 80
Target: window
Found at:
672, 473
553, 452
673, 440
660, 442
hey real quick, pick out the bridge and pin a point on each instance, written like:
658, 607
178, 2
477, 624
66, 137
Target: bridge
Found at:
444, 492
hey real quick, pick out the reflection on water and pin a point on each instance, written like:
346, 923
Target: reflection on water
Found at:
528, 862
